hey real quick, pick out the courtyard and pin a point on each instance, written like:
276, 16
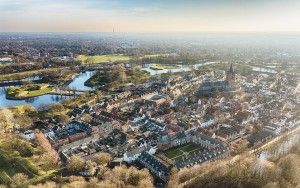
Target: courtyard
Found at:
178, 151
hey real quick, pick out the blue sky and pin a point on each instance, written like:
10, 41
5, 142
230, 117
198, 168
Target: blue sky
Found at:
150, 16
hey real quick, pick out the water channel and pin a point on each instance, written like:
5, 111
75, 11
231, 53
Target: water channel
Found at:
77, 83
180, 68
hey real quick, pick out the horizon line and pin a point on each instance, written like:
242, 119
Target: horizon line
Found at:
151, 32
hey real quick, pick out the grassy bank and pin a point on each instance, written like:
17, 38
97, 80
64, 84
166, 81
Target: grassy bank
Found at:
28, 91
100, 79
26, 74
10, 165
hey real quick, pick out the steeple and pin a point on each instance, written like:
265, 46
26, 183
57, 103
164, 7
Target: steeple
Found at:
231, 70
230, 76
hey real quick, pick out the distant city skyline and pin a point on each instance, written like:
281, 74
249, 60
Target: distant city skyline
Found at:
149, 16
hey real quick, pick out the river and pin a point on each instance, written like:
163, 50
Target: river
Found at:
263, 70
180, 68
77, 83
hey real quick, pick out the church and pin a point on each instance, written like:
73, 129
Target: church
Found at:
209, 87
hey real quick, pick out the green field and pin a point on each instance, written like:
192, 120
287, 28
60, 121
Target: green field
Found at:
155, 56
28, 91
116, 57
173, 153
189, 148
103, 58
180, 150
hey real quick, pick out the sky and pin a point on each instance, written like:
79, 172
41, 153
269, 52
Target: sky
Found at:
150, 15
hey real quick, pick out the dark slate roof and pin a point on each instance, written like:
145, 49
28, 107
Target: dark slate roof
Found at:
72, 128
198, 157
211, 86
157, 167
227, 131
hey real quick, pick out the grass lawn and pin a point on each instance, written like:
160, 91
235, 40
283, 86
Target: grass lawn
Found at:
155, 56
189, 148
162, 67
100, 79
28, 91
103, 58
173, 153
180, 150
113, 58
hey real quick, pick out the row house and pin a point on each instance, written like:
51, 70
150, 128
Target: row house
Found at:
200, 139
155, 166
258, 138
230, 133
73, 131
199, 157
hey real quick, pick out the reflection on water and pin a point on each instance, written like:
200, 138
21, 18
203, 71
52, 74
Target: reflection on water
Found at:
265, 70
77, 83
34, 101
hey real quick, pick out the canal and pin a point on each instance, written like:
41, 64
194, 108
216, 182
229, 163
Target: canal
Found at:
77, 83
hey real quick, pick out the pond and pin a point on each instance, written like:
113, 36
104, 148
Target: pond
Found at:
77, 83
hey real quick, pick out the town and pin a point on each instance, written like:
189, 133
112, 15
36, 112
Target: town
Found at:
163, 112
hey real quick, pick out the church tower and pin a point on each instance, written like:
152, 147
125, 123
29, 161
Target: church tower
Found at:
230, 76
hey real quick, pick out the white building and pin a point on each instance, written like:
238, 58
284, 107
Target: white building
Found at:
28, 135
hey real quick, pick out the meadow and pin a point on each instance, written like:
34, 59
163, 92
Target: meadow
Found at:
103, 58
